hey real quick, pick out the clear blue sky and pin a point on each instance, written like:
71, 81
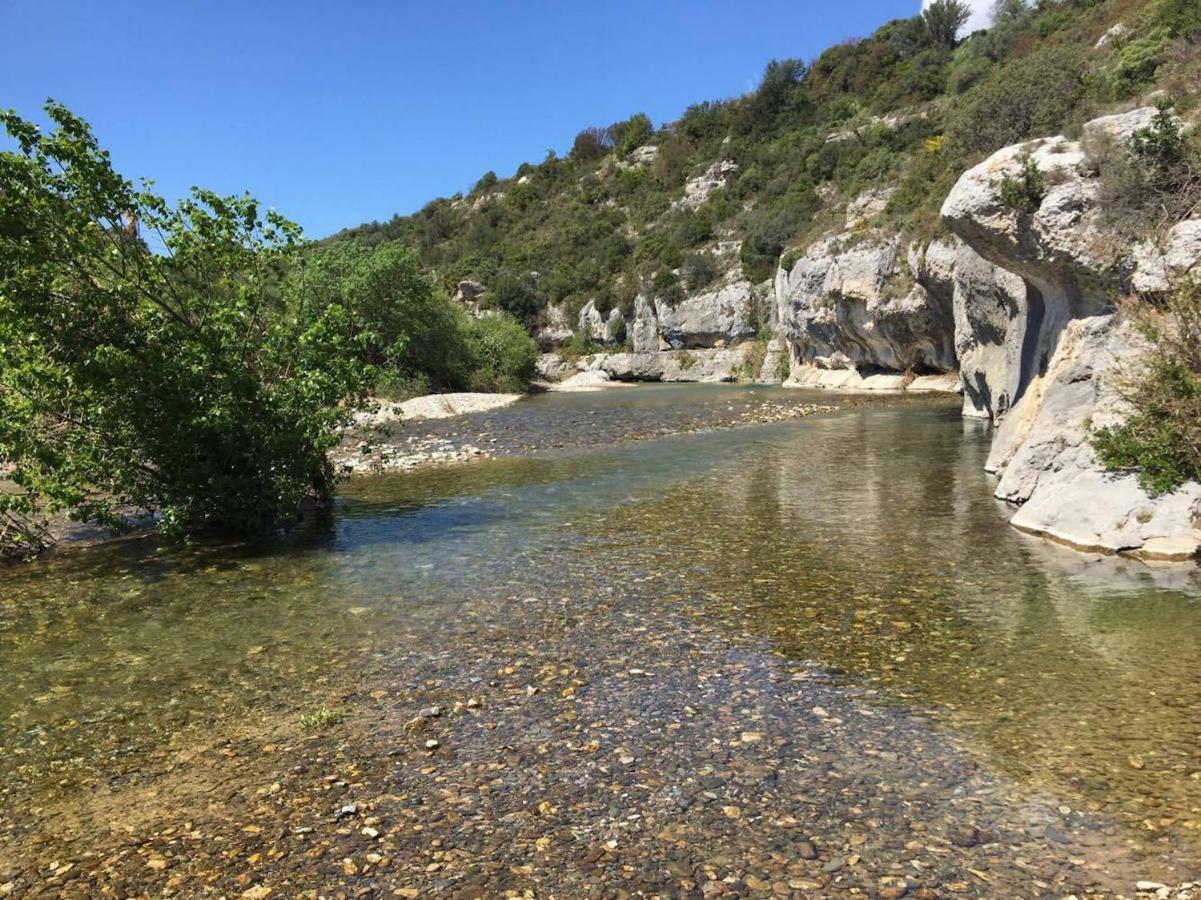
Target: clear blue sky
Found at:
336, 114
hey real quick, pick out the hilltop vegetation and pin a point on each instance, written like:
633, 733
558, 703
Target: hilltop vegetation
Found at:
909, 107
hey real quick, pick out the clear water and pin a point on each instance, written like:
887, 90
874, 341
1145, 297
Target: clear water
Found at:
865, 543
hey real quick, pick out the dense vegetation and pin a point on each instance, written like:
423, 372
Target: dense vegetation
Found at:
908, 107
193, 362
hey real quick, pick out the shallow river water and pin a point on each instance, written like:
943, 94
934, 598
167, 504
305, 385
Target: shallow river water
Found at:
804, 659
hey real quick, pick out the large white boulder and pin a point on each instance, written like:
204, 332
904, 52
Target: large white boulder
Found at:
1041, 347
554, 327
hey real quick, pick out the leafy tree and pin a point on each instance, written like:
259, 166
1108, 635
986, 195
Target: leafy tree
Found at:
631, 134
515, 295
487, 181
503, 355
397, 320
1006, 12
772, 97
1162, 148
943, 19
591, 143
166, 380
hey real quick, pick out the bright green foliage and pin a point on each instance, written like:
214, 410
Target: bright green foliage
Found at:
398, 320
1162, 148
170, 379
1162, 438
502, 354
1024, 194
412, 335
1160, 25
631, 134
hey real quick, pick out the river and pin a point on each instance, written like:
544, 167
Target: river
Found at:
806, 658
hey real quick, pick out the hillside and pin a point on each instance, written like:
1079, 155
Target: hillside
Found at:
1013, 216
872, 134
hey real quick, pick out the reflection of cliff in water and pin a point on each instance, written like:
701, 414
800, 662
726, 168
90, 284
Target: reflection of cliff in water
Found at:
871, 545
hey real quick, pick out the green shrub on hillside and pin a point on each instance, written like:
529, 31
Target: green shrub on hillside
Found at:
700, 270
1023, 194
502, 354
1161, 439
1033, 97
1151, 181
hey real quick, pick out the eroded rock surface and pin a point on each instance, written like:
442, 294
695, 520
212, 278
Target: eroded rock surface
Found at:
1043, 352
855, 309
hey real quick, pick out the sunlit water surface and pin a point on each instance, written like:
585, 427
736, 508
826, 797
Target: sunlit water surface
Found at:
865, 542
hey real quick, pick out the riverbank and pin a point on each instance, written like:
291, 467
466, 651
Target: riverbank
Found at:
545, 423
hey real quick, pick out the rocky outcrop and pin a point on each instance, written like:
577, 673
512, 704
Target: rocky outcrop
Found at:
1160, 263
554, 329
774, 369
703, 337
1041, 347
644, 327
866, 206
698, 189
601, 327
469, 290
1016, 309
720, 315
856, 309
714, 364
706, 365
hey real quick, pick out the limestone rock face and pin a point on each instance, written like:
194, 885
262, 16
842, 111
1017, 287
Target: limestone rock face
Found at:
1159, 264
775, 363
469, 290
1047, 463
554, 329
645, 154
857, 307
553, 367
644, 328
705, 365
867, 205
602, 328
1040, 347
724, 312
989, 311
698, 189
